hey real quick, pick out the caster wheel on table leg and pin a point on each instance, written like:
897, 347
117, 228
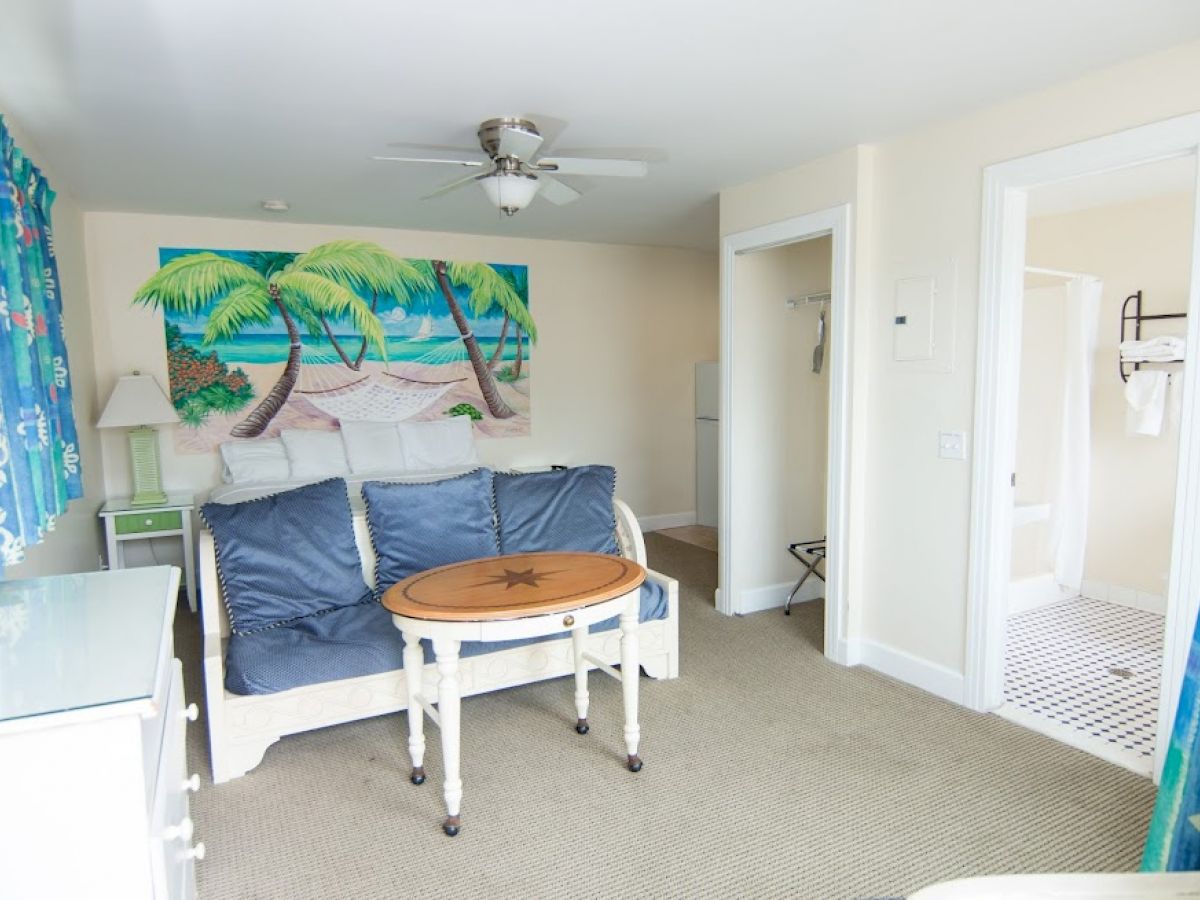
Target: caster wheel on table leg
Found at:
451, 826
582, 726
418, 775
634, 764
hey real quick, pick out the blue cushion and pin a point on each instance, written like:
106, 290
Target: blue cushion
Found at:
566, 509
341, 643
415, 527
288, 555
357, 640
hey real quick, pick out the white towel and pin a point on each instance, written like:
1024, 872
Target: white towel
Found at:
1146, 394
1159, 349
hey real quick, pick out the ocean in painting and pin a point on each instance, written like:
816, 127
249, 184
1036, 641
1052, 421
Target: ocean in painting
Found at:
273, 348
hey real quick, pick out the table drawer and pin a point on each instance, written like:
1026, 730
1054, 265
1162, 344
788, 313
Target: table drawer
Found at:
138, 523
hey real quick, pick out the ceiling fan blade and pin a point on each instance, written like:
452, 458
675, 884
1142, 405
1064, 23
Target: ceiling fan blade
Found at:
568, 165
557, 192
453, 185
519, 143
422, 159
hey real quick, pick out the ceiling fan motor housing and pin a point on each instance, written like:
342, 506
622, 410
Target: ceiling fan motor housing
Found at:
491, 131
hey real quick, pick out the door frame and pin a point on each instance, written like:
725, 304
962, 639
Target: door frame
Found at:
1002, 262
837, 223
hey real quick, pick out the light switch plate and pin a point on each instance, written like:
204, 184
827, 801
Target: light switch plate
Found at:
952, 444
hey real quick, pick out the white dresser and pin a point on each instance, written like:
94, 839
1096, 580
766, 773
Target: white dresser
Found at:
93, 782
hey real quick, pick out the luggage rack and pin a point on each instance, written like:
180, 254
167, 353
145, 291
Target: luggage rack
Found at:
810, 554
1137, 318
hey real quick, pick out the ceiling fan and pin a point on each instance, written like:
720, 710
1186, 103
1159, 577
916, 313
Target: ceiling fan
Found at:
511, 177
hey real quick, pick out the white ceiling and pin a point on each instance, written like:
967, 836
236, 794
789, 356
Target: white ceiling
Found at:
1172, 176
205, 108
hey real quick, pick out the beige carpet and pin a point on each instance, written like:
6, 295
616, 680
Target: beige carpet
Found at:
769, 773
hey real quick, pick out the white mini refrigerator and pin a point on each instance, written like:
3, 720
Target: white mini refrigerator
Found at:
708, 428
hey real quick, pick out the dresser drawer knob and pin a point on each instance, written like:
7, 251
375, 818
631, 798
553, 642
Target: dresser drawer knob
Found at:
568, 621
192, 784
149, 521
181, 832
191, 712
197, 853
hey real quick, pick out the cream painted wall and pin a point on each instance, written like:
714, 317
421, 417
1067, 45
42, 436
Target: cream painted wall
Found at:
1144, 245
76, 543
621, 328
807, 438
922, 195
1040, 404
783, 410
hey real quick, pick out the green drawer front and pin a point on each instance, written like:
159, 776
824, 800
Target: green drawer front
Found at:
135, 523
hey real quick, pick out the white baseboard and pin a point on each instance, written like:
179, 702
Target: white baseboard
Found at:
774, 596
1033, 591
667, 520
1124, 596
903, 666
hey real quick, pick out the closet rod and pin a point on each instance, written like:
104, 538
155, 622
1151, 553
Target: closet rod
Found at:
1034, 270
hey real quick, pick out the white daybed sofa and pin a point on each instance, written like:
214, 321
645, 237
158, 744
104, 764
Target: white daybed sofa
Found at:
242, 727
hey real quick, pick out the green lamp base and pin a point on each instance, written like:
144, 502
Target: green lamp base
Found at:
147, 477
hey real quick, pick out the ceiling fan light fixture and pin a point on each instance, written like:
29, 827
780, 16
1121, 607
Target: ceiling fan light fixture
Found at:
510, 191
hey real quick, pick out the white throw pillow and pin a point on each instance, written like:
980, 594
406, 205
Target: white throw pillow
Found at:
315, 454
444, 444
261, 460
372, 447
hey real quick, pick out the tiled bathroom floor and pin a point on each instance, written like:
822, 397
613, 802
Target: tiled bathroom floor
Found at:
1086, 672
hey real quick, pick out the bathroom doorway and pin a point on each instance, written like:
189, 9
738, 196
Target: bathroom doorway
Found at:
1008, 188
1107, 275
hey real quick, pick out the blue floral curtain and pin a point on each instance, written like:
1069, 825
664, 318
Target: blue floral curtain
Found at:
39, 448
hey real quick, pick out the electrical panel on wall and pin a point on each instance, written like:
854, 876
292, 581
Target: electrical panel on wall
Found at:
912, 324
922, 319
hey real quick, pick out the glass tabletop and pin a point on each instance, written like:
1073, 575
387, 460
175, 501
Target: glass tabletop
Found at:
75, 641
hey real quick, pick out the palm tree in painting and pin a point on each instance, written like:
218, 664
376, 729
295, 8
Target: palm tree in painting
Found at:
486, 287
306, 288
518, 280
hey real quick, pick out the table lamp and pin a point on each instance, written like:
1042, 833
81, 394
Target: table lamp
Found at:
137, 402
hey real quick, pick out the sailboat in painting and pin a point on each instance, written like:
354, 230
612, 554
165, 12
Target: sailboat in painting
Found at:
425, 331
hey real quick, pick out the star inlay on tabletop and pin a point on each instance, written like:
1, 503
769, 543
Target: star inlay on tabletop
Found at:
511, 578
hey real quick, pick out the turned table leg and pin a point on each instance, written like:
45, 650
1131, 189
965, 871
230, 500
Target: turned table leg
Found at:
629, 681
578, 638
414, 670
449, 703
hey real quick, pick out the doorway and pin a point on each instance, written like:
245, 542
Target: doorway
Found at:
1095, 466
1007, 237
762, 507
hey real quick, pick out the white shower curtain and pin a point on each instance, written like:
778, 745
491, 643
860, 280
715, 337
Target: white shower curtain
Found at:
1069, 534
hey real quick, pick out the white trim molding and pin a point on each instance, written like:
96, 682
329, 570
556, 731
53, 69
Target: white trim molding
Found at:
928, 676
838, 223
666, 520
1002, 259
774, 596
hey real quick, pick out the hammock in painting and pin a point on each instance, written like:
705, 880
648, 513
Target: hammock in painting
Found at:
368, 400
365, 398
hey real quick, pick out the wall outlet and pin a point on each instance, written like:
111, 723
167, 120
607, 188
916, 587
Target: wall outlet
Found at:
952, 444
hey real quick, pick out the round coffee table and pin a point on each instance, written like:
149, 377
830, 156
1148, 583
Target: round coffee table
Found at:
504, 598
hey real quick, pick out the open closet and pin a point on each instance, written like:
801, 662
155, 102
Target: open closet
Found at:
1106, 292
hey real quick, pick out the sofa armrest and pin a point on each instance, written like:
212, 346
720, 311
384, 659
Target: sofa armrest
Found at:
629, 533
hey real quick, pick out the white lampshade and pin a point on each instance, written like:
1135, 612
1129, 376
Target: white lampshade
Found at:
137, 400
510, 191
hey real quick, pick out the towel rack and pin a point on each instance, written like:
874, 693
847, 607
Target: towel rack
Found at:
1137, 319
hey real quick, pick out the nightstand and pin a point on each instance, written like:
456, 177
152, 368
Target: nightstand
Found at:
124, 522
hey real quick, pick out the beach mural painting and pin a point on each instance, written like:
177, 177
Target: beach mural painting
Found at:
262, 341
